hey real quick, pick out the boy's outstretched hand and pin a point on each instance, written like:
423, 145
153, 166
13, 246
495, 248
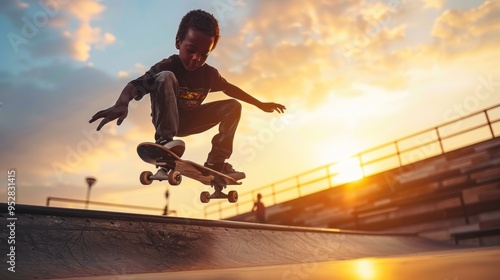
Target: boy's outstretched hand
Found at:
114, 112
271, 107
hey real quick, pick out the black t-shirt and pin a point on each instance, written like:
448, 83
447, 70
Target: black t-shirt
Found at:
193, 85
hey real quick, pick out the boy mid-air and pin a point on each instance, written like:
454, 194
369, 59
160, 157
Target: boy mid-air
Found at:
178, 85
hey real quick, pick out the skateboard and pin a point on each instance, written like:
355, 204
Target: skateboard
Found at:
171, 168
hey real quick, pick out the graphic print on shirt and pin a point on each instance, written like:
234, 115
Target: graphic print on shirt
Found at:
190, 99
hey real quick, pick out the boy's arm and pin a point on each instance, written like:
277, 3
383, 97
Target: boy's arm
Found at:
235, 92
119, 110
128, 93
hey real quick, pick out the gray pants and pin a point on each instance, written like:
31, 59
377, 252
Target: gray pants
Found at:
169, 121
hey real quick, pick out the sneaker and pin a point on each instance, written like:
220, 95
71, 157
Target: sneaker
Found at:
227, 169
176, 146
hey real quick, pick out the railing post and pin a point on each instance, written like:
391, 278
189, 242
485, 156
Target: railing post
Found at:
489, 124
439, 140
398, 153
464, 210
48, 201
298, 185
274, 194
330, 185
361, 165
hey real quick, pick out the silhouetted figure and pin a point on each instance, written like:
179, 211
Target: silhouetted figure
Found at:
165, 211
259, 209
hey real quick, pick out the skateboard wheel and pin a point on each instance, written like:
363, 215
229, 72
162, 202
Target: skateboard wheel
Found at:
205, 197
232, 196
174, 178
145, 178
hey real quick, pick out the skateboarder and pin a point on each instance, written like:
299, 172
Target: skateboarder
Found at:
178, 85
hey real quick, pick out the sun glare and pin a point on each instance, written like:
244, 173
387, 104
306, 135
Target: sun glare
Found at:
365, 269
347, 170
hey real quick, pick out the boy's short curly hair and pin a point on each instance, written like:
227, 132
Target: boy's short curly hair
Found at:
201, 21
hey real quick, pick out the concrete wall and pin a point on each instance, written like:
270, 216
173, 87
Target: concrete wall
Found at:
454, 192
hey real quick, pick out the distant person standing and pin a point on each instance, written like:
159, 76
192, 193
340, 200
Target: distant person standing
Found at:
259, 209
165, 210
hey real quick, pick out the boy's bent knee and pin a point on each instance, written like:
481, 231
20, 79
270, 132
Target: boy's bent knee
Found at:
166, 82
165, 76
234, 104
233, 108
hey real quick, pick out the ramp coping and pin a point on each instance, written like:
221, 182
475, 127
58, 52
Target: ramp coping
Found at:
98, 214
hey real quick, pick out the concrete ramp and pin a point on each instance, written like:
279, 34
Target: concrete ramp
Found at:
53, 243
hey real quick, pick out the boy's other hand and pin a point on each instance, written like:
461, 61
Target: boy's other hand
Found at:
114, 112
271, 107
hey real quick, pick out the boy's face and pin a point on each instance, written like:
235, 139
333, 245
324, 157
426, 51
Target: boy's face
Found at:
194, 49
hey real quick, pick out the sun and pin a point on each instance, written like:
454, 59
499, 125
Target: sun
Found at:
339, 155
346, 170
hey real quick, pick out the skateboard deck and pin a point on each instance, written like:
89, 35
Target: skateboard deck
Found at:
174, 167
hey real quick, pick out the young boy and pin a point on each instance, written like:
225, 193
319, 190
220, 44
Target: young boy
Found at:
178, 85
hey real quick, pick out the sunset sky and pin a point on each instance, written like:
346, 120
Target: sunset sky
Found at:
353, 74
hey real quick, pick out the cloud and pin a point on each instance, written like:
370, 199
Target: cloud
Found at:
85, 36
462, 30
13, 10
47, 116
433, 4
123, 74
305, 48
315, 49
138, 70
55, 28
108, 39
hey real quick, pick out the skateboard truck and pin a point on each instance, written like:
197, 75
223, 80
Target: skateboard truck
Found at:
173, 177
219, 184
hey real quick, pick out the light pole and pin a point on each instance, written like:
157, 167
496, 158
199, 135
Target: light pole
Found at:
90, 181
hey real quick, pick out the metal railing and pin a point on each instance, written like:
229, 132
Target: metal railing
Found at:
107, 204
452, 135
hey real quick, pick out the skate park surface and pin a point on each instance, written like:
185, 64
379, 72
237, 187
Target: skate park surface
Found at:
58, 243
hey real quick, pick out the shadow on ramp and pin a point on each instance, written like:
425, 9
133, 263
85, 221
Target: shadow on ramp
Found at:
53, 243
